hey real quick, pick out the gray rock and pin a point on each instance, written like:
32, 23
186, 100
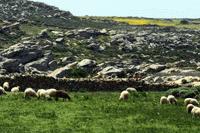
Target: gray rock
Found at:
23, 53
10, 65
60, 40
43, 34
53, 64
41, 64
111, 70
87, 63
154, 68
60, 72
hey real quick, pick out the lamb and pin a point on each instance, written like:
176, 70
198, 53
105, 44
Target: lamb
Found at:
2, 91
15, 89
29, 92
131, 89
189, 108
6, 86
60, 94
41, 93
124, 95
171, 99
191, 101
163, 100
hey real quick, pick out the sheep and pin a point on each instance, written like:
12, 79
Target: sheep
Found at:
29, 92
60, 94
6, 86
131, 89
195, 111
41, 93
171, 99
15, 89
189, 108
50, 92
124, 95
163, 100
2, 91
191, 101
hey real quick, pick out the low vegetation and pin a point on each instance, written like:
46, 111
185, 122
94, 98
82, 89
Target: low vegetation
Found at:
95, 112
192, 24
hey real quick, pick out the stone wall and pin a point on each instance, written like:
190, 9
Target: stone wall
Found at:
44, 82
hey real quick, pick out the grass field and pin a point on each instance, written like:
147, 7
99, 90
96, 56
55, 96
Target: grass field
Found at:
97, 112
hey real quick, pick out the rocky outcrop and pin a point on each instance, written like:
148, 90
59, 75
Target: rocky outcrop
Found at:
24, 9
25, 57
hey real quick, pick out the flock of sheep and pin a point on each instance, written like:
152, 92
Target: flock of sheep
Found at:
190, 103
41, 93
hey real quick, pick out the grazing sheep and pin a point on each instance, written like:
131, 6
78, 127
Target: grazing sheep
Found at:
60, 94
2, 91
195, 111
131, 89
163, 100
29, 92
191, 101
124, 95
15, 89
41, 93
189, 108
171, 99
6, 86
187, 101
194, 102
50, 92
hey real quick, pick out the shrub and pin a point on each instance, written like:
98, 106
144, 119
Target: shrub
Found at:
77, 73
184, 92
184, 22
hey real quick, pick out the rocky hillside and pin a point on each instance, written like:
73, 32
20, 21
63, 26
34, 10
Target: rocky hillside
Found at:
40, 45
42, 14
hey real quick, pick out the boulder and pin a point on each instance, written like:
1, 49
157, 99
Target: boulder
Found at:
87, 63
154, 68
41, 64
23, 53
111, 70
10, 65
60, 72
60, 40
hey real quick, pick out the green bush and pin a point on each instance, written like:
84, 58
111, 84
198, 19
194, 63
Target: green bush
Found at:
184, 92
77, 73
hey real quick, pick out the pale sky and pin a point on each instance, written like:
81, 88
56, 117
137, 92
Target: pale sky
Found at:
135, 8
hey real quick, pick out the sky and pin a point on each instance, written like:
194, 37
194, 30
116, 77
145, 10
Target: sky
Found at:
135, 8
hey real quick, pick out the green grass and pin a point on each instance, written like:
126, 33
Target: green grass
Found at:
97, 112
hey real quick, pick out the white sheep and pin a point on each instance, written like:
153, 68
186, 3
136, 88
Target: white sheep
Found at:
187, 101
6, 86
124, 95
50, 93
171, 99
163, 100
29, 92
131, 89
2, 91
189, 108
15, 89
41, 93
191, 101
195, 111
